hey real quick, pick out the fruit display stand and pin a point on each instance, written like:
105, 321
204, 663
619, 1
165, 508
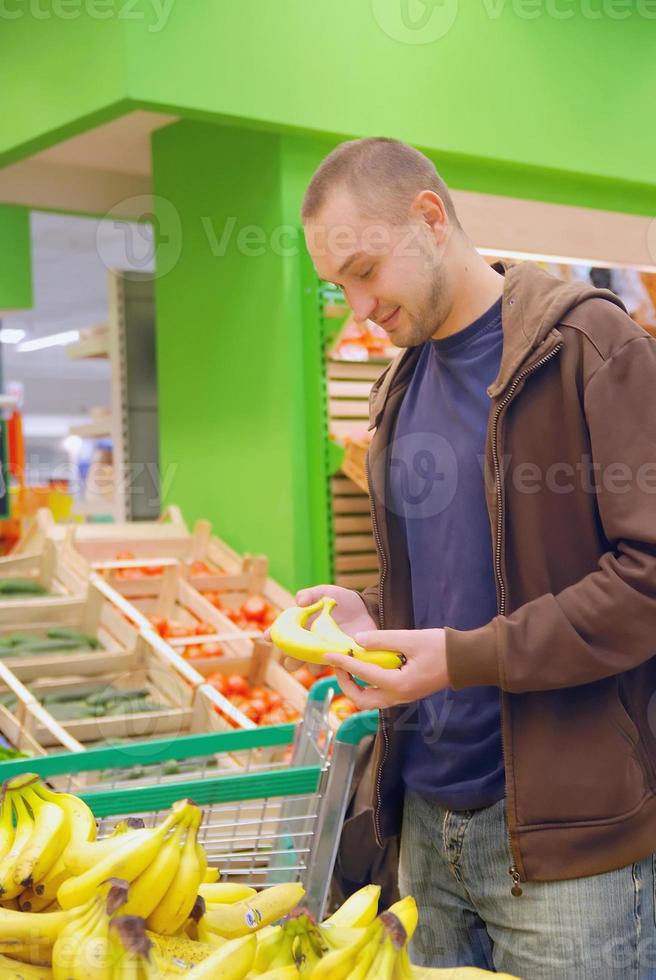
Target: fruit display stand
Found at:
264, 825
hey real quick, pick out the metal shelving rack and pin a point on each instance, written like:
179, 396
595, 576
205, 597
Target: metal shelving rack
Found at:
130, 423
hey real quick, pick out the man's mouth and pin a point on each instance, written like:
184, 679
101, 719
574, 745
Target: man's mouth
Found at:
388, 321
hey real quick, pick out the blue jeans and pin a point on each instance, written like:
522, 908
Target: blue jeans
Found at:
456, 865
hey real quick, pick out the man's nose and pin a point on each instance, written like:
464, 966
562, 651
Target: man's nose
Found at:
362, 305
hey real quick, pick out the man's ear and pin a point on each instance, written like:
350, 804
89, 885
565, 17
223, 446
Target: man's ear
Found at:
430, 207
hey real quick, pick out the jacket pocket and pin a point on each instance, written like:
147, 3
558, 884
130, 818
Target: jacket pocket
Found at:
624, 721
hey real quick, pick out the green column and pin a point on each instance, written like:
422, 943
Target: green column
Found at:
16, 264
239, 376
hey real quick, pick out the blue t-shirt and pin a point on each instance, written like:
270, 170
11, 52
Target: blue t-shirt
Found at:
453, 755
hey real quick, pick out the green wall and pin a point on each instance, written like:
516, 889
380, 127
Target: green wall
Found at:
239, 381
16, 252
511, 98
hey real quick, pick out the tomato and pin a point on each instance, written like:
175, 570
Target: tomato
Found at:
212, 650
255, 608
204, 629
199, 568
159, 623
270, 617
175, 630
125, 556
260, 694
237, 685
213, 597
342, 707
304, 676
275, 701
219, 682
232, 614
152, 570
238, 701
193, 652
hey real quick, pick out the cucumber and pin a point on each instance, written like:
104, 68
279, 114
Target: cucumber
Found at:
21, 586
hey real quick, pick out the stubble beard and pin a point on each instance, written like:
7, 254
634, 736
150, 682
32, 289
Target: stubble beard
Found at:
434, 311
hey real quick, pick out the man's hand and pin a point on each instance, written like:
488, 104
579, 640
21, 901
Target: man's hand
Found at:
424, 672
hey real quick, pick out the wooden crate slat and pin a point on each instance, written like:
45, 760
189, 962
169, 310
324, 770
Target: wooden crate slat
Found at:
351, 505
343, 486
345, 408
349, 389
352, 542
348, 525
348, 428
360, 370
366, 562
356, 580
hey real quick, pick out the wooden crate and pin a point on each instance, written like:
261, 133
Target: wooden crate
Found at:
146, 668
356, 564
44, 566
171, 526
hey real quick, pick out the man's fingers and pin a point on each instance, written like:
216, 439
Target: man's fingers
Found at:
377, 676
365, 699
305, 597
394, 640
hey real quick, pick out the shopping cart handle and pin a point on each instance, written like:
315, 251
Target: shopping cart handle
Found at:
354, 729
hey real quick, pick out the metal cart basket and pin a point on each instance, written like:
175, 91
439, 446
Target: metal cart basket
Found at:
273, 798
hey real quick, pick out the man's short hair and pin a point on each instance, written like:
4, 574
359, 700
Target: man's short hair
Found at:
384, 174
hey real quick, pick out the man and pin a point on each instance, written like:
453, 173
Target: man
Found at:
512, 479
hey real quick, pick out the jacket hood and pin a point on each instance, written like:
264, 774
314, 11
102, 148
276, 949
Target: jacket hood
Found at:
533, 304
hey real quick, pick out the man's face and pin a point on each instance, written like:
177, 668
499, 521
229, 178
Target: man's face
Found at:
394, 274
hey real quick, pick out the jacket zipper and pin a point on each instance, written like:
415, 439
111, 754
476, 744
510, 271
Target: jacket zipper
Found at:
383, 724
513, 870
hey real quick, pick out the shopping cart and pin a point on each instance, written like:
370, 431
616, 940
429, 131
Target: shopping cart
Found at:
273, 798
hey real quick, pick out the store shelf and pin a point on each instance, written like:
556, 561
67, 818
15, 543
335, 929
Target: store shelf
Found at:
92, 430
96, 346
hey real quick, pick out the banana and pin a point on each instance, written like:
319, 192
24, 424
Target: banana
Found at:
340, 963
181, 948
148, 890
406, 911
251, 914
358, 910
231, 962
50, 835
269, 940
36, 953
45, 891
81, 855
207, 936
67, 942
6, 825
93, 959
211, 876
338, 938
225, 892
82, 820
325, 627
24, 828
173, 910
25, 927
384, 963
127, 861
279, 973
11, 970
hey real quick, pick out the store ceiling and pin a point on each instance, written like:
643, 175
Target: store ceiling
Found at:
96, 171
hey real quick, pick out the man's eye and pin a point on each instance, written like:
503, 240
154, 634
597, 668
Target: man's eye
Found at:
365, 275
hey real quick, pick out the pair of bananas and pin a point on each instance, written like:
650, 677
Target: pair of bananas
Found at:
37, 826
324, 636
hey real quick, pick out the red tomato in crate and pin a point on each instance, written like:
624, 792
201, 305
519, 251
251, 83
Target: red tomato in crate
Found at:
214, 598
232, 614
176, 630
342, 707
304, 676
237, 685
275, 701
212, 650
199, 568
255, 709
255, 608
152, 570
193, 652
219, 682
204, 629
260, 694
159, 623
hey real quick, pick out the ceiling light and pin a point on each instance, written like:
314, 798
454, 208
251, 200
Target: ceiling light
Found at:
53, 340
9, 335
